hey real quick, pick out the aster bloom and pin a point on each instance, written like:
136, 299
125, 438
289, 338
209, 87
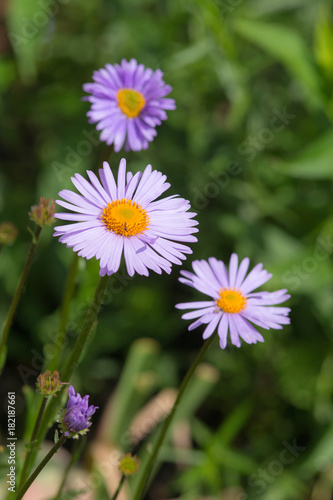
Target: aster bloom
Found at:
235, 306
75, 419
128, 102
112, 218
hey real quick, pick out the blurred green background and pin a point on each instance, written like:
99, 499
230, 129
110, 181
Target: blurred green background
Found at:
251, 146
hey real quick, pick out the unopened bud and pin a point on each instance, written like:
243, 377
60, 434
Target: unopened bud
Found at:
42, 214
8, 233
48, 384
129, 464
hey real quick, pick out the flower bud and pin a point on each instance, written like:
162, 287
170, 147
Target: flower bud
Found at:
129, 464
48, 384
75, 419
8, 233
42, 214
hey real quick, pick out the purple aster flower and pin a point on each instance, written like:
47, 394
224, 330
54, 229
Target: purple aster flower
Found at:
234, 306
128, 102
111, 219
76, 418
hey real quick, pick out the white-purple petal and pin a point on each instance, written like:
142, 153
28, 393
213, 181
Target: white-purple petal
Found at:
259, 307
138, 131
223, 330
211, 326
90, 237
197, 313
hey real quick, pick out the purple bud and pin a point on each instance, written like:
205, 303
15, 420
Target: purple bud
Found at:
75, 419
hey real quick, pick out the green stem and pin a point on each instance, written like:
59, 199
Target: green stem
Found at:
87, 327
41, 466
74, 358
121, 482
64, 312
149, 464
76, 451
32, 442
18, 293
106, 153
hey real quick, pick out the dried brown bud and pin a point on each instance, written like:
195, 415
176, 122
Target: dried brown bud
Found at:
48, 384
42, 214
8, 233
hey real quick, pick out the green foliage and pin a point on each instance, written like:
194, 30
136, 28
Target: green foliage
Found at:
251, 146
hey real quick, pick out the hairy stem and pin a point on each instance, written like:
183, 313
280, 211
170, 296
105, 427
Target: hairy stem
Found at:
72, 362
64, 312
41, 466
121, 482
32, 442
17, 295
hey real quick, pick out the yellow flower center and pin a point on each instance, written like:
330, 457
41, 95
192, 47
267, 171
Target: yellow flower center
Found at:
125, 217
130, 102
231, 300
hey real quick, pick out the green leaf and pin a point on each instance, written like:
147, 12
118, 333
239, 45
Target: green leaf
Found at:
321, 454
204, 379
288, 47
131, 392
56, 436
7, 74
314, 162
27, 27
3, 357
233, 424
323, 41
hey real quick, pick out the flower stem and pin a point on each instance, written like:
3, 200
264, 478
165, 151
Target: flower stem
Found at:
17, 295
121, 482
87, 327
74, 358
105, 154
32, 441
41, 466
149, 464
64, 311
77, 448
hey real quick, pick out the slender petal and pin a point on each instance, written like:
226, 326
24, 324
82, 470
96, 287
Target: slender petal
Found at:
235, 307
154, 241
118, 125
